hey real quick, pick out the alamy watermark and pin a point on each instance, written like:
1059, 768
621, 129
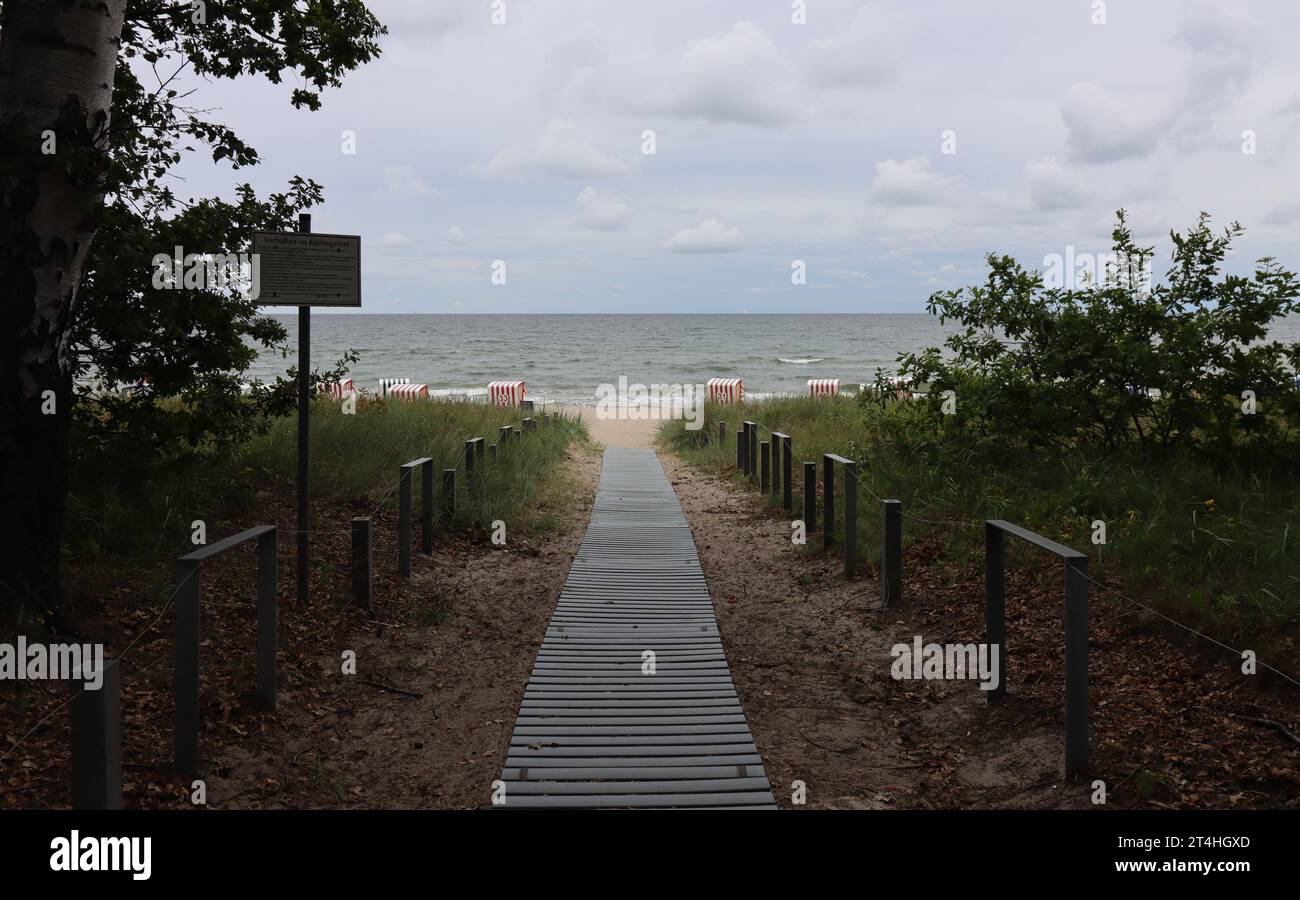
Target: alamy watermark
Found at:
947, 662
22, 661
651, 402
208, 271
76, 853
1074, 270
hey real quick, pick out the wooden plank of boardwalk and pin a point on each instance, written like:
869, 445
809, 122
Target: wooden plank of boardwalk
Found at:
593, 729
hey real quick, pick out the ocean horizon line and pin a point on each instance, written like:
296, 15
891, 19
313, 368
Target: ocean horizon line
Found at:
326, 311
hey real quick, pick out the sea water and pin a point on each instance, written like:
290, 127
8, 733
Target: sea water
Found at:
566, 358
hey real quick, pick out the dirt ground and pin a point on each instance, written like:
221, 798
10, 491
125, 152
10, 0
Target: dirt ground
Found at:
423, 722
809, 654
435, 737
441, 668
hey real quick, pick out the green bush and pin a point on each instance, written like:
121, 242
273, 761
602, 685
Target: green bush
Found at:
1211, 545
1060, 366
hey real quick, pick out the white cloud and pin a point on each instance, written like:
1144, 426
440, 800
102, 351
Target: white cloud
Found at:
565, 151
408, 19
943, 275
776, 130
740, 77
710, 236
1285, 213
601, 212
1222, 48
571, 60
866, 53
1052, 186
910, 182
1225, 44
1104, 127
862, 278
1225, 48
401, 181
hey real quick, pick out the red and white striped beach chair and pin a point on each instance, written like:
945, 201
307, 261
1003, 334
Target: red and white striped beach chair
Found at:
725, 390
823, 387
407, 391
902, 386
337, 389
506, 393
386, 383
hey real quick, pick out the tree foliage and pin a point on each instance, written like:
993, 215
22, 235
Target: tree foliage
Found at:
1118, 362
192, 346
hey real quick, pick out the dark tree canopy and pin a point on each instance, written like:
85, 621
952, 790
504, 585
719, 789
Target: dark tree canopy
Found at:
193, 344
91, 126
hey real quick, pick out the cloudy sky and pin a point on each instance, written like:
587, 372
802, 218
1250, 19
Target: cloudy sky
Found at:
829, 142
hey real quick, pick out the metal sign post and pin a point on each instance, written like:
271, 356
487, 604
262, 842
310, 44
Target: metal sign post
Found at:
304, 270
304, 433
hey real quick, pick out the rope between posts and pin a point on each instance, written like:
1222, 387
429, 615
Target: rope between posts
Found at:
857, 479
147, 630
387, 494
907, 515
45, 718
1187, 628
167, 605
460, 464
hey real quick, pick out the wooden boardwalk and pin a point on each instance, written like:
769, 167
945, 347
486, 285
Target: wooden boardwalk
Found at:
594, 730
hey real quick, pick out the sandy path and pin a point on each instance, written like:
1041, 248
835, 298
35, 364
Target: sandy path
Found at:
809, 653
616, 432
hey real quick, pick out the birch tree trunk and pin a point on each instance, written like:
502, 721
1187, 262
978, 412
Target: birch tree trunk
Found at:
57, 62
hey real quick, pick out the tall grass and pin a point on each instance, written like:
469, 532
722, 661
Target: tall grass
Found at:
1210, 546
135, 508
357, 456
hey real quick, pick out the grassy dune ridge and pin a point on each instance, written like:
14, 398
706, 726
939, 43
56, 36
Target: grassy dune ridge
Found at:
1213, 548
358, 455
127, 507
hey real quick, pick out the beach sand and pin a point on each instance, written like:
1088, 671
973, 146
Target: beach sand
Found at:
615, 432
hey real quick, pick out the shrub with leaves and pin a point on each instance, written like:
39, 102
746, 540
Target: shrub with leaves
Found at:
1118, 363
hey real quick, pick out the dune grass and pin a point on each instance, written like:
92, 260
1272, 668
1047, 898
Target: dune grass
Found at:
132, 509
1213, 548
358, 456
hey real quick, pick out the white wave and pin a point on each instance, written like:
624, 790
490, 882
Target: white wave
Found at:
458, 392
